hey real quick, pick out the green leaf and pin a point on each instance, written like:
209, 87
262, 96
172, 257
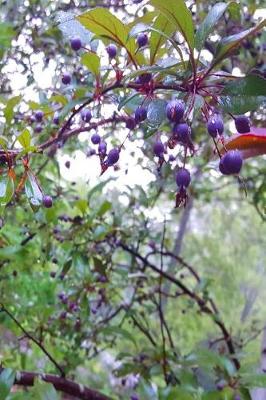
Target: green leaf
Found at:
24, 139
100, 232
6, 34
174, 394
6, 190
92, 62
126, 99
157, 40
9, 109
206, 27
240, 105
156, 112
251, 85
106, 206
82, 205
7, 378
230, 43
59, 98
116, 330
179, 15
33, 191
44, 391
3, 142
253, 380
104, 24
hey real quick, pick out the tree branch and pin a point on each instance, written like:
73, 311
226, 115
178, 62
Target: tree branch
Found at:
61, 384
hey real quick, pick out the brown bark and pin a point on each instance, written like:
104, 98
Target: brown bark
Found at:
66, 386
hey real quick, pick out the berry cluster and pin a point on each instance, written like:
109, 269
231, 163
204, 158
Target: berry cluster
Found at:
176, 113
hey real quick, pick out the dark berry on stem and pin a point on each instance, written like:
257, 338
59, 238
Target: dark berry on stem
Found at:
39, 115
67, 164
171, 158
56, 118
86, 115
181, 132
76, 43
113, 157
111, 50
66, 78
231, 162
96, 138
134, 397
130, 123
102, 148
158, 148
38, 128
140, 114
175, 110
215, 125
144, 78
47, 201
142, 39
242, 124
183, 178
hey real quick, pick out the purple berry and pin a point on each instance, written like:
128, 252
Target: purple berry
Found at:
231, 162
215, 125
221, 385
76, 43
102, 148
175, 110
39, 115
181, 132
86, 115
63, 315
73, 307
67, 164
32, 119
134, 397
171, 158
158, 148
113, 157
66, 78
144, 78
242, 124
78, 324
111, 50
47, 201
52, 274
140, 114
56, 118
130, 123
38, 128
142, 39
183, 178
96, 138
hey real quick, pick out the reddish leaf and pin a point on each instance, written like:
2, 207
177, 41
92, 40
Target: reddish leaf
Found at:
251, 144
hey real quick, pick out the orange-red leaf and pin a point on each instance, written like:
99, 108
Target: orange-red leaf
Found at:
251, 144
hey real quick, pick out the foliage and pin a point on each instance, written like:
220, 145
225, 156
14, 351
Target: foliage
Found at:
96, 281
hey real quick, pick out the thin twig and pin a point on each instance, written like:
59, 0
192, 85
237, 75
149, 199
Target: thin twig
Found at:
29, 336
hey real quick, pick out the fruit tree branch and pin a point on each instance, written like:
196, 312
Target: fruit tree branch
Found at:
61, 384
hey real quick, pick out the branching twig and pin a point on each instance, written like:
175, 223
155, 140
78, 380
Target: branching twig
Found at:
32, 338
